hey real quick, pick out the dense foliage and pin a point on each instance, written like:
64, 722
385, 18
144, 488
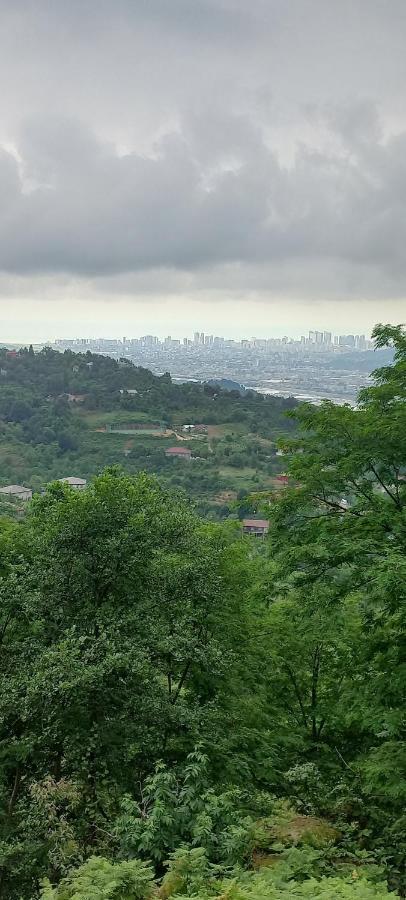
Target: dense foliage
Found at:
184, 712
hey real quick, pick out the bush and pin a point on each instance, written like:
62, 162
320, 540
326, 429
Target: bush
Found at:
263, 887
191, 875
184, 811
102, 880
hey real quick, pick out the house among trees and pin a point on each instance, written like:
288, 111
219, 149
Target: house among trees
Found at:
197, 429
255, 527
16, 491
75, 398
178, 453
78, 484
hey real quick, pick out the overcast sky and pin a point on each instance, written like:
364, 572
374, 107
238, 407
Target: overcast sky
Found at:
236, 166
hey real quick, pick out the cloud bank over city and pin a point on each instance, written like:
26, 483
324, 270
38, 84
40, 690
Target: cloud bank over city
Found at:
182, 159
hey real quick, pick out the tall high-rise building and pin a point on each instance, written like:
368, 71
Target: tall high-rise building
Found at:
312, 337
327, 337
346, 340
196, 337
360, 342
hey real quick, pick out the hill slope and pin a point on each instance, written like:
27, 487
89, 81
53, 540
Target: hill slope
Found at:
73, 414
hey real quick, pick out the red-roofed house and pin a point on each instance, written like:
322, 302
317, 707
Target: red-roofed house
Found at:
256, 527
178, 453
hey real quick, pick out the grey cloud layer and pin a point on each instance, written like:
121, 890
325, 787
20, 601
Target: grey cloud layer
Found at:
72, 204
258, 142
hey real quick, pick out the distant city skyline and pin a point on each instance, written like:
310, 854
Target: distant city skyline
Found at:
314, 338
237, 324
316, 364
31, 332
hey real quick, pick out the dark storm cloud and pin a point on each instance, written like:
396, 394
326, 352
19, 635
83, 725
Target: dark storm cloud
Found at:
205, 136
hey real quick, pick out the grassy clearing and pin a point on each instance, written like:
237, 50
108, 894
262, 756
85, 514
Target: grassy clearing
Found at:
248, 478
96, 439
233, 472
98, 418
219, 431
139, 432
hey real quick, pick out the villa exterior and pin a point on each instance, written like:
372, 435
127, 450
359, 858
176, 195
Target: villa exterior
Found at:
16, 491
78, 484
255, 527
178, 453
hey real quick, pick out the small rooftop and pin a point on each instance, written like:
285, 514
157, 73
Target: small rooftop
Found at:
72, 480
182, 451
255, 523
15, 489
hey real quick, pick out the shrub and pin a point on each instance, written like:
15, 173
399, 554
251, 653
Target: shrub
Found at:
100, 879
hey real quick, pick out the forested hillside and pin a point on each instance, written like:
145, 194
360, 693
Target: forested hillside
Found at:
185, 712
73, 414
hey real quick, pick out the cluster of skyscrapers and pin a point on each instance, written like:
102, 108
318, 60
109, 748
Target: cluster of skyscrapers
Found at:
355, 341
316, 340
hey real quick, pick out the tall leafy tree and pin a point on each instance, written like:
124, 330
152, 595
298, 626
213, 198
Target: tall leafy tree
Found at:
338, 544
122, 629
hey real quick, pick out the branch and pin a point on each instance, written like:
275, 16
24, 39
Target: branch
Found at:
297, 692
320, 728
315, 679
185, 673
175, 696
386, 489
347, 766
335, 505
13, 798
292, 712
5, 626
360, 490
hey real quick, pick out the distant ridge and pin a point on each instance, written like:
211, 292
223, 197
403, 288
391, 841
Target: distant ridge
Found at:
227, 384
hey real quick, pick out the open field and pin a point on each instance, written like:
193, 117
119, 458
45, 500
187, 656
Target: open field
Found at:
246, 474
98, 418
233, 471
219, 431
